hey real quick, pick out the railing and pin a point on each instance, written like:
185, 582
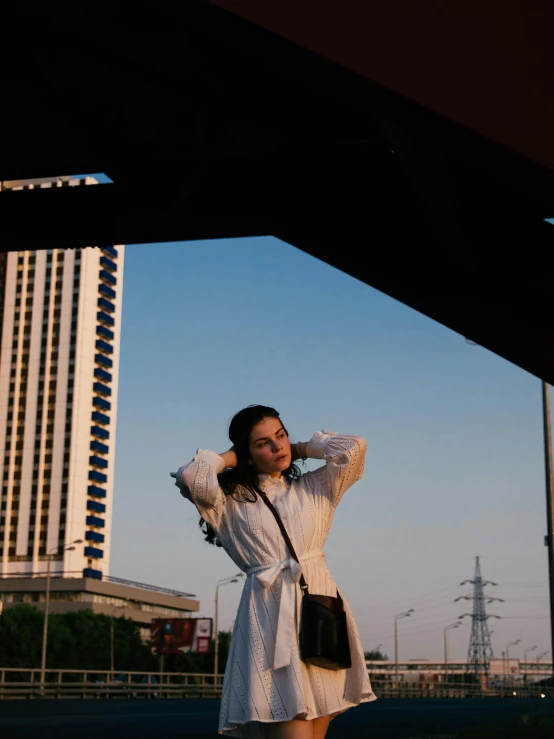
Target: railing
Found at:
20, 683
459, 690
531, 668
30, 691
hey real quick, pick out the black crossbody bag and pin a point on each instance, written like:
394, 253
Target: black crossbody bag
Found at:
323, 639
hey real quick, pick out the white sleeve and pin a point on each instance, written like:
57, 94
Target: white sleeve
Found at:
198, 482
344, 462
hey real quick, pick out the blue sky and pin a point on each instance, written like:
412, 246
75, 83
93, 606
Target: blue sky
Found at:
454, 467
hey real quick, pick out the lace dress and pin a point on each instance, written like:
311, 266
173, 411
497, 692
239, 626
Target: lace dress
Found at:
265, 679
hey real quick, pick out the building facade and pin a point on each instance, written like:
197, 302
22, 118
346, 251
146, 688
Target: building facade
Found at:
59, 362
111, 596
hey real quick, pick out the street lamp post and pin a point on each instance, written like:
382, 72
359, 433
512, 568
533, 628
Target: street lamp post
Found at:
539, 657
549, 487
396, 620
49, 556
224, 581
529, 649
447, 628
549, 480
510, 644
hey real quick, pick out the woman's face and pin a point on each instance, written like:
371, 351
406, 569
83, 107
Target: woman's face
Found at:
270, 447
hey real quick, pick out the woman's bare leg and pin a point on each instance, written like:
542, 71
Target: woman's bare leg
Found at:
294, 729
320, 726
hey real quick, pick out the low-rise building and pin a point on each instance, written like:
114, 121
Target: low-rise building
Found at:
111, 596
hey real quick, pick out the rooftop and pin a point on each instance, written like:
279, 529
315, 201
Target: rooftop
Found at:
137, 601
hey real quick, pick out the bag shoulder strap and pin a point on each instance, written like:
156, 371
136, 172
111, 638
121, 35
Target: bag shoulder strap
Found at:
288, 542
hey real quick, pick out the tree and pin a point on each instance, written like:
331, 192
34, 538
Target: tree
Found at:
224, 644
376, 655
78, 640
21, 636
203, 663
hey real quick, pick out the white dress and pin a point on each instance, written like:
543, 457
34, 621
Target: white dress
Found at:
265, 680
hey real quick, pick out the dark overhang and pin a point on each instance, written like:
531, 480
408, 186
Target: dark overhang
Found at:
211, 127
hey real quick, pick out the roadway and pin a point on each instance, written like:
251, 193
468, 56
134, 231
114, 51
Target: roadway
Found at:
197, 719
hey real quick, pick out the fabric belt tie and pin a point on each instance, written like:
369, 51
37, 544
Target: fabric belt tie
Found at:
290, 601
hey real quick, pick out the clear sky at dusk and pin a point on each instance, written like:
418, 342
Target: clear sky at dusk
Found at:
455, 458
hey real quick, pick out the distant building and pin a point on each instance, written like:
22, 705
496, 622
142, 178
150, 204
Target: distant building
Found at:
110, 596
60, 328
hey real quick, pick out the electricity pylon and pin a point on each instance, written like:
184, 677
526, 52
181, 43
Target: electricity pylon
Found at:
479, 653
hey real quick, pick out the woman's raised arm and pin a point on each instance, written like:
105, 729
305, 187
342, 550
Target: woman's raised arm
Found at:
197, 480
344, 457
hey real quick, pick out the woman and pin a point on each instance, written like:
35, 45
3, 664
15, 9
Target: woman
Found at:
267, 690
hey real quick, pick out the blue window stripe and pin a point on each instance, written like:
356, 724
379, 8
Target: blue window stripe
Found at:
103, 346
105, 290
105, 318
100, 418
101, 389
102, 374
94, 552
95, 476
94, 536
108, 264
96, 492
105, 332
92, 573
101, 403
94, 505
106, 305
95, 461
95, 521
109, 250
104, 361
97, 446
107, 277
97, 431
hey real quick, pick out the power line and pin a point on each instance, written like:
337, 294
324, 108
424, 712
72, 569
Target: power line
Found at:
414, 599
524, 583
438, 595
447, 606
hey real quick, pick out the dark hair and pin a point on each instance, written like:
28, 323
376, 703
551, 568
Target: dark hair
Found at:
240, 481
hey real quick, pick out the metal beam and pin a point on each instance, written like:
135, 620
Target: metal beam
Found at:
549, 479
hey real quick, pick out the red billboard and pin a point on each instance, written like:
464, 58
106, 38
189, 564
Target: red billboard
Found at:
181, 635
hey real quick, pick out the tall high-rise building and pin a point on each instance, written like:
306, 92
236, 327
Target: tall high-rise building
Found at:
59, 361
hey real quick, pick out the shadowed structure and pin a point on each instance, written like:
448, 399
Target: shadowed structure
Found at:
408, 145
